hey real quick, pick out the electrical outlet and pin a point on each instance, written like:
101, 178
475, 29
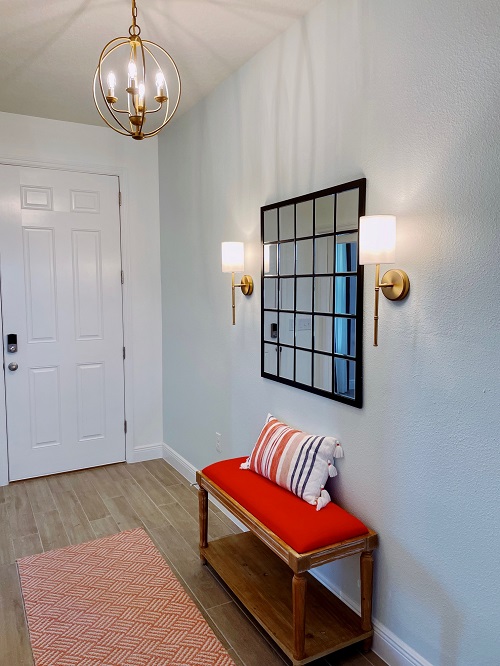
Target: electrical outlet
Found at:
218, 442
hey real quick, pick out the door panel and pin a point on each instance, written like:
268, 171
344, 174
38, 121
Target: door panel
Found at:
91, 401
45, 406
40, 284
60, 268
87, 284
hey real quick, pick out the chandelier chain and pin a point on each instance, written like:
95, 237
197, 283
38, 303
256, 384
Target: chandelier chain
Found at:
134, 29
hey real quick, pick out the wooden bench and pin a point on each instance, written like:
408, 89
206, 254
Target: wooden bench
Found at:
260, 568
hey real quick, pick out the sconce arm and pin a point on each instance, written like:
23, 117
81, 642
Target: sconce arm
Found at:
375, 314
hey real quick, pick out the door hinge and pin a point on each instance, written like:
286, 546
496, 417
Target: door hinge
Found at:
125, 426
124, 353
119, 198
123, 277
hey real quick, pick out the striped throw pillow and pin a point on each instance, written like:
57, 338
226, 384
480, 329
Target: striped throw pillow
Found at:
295, 460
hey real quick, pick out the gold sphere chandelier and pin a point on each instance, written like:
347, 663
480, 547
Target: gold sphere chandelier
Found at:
145, 114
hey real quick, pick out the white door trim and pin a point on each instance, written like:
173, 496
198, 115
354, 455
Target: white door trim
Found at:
122, 175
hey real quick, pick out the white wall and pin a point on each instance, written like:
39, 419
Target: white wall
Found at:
407, 94
86, 147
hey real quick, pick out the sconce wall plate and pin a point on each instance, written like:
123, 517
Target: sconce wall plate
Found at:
246, 285
398, 284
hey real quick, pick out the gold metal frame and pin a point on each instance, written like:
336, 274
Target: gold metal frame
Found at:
136, 117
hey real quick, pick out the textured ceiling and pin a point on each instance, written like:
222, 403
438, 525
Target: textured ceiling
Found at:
49, 48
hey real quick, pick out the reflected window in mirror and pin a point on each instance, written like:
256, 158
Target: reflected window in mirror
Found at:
312, 292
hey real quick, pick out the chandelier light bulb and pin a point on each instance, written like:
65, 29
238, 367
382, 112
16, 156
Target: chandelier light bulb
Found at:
111, 87
161, 95
142, 93
110, 97
132, 70
111, 80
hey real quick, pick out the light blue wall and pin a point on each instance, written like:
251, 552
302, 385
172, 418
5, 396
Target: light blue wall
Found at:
407, 94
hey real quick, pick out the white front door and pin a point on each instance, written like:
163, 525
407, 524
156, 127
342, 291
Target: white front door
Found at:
60, 271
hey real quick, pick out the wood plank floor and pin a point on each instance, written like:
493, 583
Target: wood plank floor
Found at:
52, 512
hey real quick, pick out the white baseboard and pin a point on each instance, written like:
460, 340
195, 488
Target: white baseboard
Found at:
188, 471
179, 463
146, 452
386, 645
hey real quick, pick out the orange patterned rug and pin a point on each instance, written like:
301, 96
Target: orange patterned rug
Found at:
113, 602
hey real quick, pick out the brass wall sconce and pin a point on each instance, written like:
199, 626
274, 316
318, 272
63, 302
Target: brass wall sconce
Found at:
377, 245
233, 261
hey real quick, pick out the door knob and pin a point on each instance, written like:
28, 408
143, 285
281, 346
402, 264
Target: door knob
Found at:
13, 367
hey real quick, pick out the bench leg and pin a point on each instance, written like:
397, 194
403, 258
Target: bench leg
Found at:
299, 588
366, 570
203, 518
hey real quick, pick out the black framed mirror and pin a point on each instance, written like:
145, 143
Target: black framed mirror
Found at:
312, 292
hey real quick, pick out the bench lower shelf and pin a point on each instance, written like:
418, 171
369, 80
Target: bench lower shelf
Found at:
263, 584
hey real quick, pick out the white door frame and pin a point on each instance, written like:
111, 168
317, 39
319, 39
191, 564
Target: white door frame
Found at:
122, 175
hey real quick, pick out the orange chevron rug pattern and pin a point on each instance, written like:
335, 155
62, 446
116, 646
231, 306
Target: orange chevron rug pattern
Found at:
113, 602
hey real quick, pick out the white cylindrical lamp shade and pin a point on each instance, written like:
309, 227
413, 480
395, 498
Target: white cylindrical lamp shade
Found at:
377, 239
233, 257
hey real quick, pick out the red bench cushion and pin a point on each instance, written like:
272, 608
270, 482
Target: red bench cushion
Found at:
294, 521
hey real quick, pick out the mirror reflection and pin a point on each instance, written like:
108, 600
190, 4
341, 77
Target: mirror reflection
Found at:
304, 257
286, 356
345, 377
287, 292
323, 254
287, 328
346, 257
347, 210
271, 225
345, 295
303, 332
270, 260
304, 294
323, 294
324, 221
287, 258
323, 372
304, 218
270, 326
270, 359
345, 336
287, 222
270, 293
303, 367
323, 335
